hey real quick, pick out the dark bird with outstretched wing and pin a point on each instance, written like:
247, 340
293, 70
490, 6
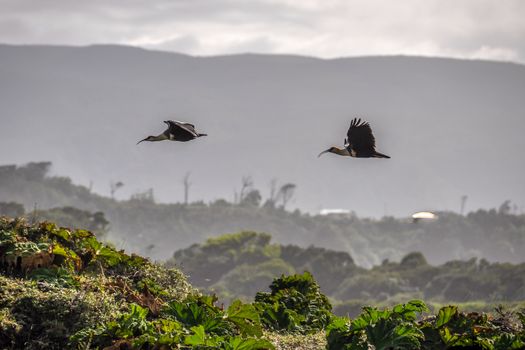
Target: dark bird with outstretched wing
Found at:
359, 142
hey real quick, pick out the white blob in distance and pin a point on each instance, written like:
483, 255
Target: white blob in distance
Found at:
426, 215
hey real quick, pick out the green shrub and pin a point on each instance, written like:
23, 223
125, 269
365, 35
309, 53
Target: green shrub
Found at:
398, 328
295, 303
71, 283
43, 315
193, 323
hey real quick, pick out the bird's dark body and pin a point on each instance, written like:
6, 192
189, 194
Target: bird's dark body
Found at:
360, 141
179, 131
366, 154
181, 138
176, 133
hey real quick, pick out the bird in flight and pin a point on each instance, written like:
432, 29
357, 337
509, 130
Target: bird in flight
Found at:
176, 131
359, 143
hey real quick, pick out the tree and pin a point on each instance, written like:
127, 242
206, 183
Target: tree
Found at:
114, 186
286, 193
7, 171
252, 199
246, 184
270, 202
187, 184
414, 259
504, 208
99, 223
273, 190
463, 204
11, 209
35, 171
77, 218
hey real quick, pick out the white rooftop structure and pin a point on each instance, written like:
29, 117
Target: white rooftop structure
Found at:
424, 215
335, 212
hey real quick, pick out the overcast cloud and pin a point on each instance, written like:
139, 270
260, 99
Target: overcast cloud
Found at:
486, 29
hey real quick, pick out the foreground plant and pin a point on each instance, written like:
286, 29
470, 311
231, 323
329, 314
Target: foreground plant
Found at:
380, 329
454, 329
63, 289
193, 323
295, 304
398, 328
56, 282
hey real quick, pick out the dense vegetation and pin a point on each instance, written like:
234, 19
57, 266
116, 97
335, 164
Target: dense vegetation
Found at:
398, 328
55, 282
157, 230
238, 265
63, 289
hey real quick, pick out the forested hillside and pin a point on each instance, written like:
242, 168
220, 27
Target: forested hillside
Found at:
158, 230
238, 265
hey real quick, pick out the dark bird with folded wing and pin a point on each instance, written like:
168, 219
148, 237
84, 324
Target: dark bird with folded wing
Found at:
176, 131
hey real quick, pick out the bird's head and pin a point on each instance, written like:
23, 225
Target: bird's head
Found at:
149, 138
330, 150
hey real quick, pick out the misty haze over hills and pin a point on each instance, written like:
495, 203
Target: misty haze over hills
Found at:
452, 127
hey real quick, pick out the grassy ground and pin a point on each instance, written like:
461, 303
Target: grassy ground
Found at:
315, 341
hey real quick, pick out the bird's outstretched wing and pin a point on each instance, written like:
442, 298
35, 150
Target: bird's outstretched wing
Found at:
360, 137
175, 126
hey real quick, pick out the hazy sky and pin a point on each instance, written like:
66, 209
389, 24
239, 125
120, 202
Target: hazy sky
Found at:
488, 29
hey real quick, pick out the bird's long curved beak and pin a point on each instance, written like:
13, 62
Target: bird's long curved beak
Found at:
323, 152
141, 141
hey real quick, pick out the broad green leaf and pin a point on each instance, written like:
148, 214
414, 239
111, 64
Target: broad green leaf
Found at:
7, 237
387, 334
245, 317
197, 338
91, 243
138, 311
70, 256
338, 323
447, 337
359, 323
419, 305
82, 234
133, 323
58, 276
27, 248
58, 249
49, 227
445, 314
109, 256
62, 233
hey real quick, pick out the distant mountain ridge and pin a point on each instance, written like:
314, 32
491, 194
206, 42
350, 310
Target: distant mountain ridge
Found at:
452, 127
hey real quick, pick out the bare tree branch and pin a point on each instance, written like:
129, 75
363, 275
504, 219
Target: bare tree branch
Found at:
187, 184
246, 184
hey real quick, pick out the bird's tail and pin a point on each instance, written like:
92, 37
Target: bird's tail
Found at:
203, 135
380, 155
